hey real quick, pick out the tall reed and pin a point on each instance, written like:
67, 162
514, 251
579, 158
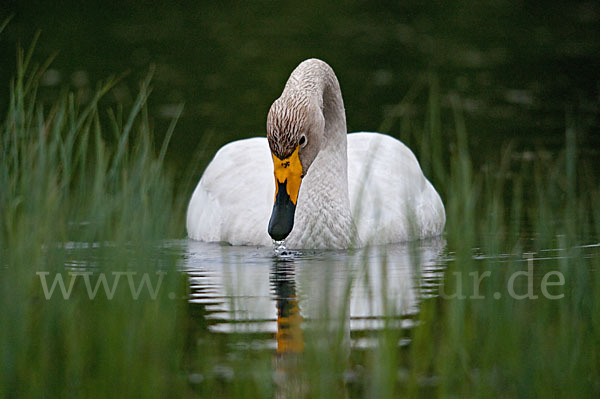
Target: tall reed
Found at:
73, 203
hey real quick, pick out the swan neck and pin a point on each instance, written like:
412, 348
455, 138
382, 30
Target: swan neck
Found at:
318, 82
323, 217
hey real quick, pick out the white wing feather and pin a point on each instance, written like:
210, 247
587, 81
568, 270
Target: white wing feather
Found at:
234, 198
391, 199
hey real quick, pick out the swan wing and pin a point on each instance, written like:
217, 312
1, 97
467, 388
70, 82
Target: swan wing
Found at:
234, 198
391, 199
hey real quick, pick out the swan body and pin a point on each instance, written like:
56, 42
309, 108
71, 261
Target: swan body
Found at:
354, 189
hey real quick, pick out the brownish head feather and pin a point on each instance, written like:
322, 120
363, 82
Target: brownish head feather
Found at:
286, 122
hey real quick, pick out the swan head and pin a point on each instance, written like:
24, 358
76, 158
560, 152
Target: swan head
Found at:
295, 128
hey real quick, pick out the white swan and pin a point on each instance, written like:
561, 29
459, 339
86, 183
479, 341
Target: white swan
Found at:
332, 189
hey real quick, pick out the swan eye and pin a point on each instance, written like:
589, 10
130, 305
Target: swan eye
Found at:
302, 140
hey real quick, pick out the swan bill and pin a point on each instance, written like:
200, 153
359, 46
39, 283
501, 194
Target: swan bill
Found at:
282, 217
288, 177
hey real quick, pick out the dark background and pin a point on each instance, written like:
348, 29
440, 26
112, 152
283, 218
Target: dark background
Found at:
520, 68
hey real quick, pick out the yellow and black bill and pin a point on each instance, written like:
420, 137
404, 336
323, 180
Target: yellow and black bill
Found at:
288, 176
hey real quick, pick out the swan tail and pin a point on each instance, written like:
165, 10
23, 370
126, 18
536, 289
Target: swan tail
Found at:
204, 216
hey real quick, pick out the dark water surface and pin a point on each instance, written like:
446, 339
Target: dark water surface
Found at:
268, 303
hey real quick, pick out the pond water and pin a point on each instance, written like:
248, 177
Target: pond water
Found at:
266, 300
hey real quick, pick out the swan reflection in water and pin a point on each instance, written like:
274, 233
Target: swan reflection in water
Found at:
252, 291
